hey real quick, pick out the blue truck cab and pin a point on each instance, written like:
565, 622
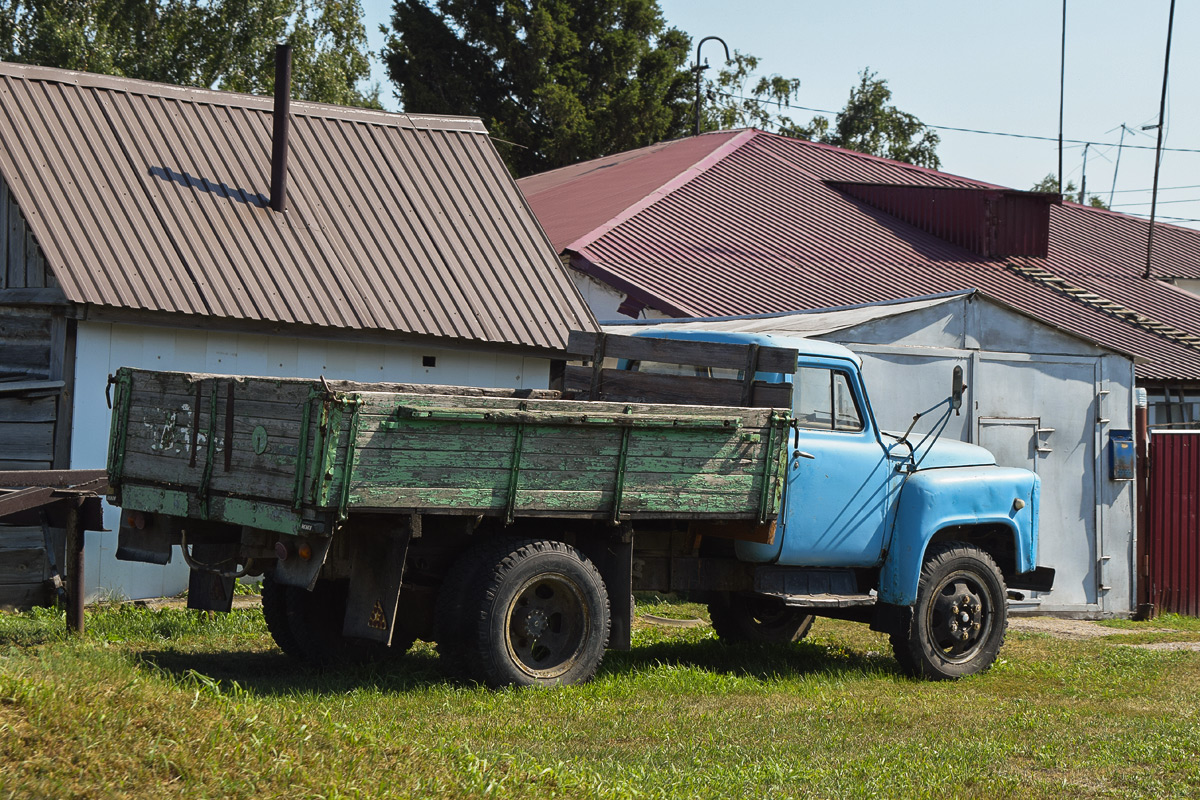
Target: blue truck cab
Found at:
925, 539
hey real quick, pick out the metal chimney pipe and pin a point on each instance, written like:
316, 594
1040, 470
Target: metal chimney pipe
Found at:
279, 136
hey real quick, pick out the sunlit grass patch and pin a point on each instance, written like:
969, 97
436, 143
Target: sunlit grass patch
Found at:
164, 703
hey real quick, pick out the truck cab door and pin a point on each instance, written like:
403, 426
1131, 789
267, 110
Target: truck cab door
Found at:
840, 487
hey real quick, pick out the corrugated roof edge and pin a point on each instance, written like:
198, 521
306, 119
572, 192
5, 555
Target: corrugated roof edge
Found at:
240, 100
303, 330
681, 179
899, 164
969, 293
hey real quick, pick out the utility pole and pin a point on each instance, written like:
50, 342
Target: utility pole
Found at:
1117, 168
699, 68
1062, 82
1083, 178
1162, 108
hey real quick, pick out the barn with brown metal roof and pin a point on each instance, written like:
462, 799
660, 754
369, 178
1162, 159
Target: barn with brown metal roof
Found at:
136, 230
747, 222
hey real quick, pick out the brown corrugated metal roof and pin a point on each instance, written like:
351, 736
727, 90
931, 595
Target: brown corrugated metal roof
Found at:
762, 223
152, 197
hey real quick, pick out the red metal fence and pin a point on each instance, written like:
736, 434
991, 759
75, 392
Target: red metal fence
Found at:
1173, 542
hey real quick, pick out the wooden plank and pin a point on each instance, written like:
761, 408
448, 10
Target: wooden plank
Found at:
10, 464
35, 277
24, 596
5, 279
27, 441
58, 478
25, 565
16, 246
28, 409
49, 296
693, 352
385, 405
644, 387
66, 399
20, 537
21, 387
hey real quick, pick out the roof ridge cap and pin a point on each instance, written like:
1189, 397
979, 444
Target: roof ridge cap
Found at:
684, 177
894, 162
222, 97
1130, 316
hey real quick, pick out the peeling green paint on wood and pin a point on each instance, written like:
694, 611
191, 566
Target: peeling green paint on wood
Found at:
342, 450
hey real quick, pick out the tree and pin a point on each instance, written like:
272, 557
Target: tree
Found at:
226, 44
731, 101
561, 81
1049, 184
869, 125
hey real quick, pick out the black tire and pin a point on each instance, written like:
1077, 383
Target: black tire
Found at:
539, 616
958, 624
316, 618
275, 613
741, 618
451, 619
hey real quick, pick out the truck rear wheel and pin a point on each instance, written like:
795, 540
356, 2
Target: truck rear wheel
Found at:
957, 626
315, 620
739, 618
539, 616
452, 627
275, 613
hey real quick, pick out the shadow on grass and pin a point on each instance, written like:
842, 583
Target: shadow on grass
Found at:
767, 662
273, 673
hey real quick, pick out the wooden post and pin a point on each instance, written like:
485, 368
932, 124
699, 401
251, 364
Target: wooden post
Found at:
73, 562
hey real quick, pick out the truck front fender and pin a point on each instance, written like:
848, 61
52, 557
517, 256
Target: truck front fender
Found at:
936, 499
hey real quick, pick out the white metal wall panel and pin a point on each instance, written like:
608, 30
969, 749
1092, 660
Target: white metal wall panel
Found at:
103, 347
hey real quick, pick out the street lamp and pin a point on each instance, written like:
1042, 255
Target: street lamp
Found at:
699, 68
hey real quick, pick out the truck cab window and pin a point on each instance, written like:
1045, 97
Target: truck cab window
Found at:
824, 401
664, 368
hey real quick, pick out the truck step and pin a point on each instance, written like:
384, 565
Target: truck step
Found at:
826, 600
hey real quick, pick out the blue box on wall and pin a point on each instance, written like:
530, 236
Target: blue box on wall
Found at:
1121, 455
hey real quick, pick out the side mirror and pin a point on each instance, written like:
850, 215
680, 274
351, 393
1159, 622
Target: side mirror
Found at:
956, 390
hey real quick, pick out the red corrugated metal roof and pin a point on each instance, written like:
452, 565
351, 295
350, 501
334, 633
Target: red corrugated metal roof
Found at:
154, 198
757, 224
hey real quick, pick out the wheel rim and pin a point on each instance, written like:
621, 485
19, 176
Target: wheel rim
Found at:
768, 617
959, 618
547, 625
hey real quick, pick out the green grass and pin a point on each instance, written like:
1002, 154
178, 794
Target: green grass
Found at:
173, 704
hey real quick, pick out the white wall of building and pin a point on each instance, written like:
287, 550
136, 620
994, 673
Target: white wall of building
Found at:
102, 348
605, 300
1038, 399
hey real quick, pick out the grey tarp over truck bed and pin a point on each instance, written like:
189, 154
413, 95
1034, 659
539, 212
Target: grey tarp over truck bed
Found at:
291, 455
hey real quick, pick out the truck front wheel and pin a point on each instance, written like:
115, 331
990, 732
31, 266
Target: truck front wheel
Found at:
740, 618
958, 623
539, 616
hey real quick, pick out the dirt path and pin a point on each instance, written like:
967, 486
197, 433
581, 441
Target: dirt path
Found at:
1086, 629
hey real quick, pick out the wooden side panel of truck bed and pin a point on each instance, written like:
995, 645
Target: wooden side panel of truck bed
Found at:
266, 452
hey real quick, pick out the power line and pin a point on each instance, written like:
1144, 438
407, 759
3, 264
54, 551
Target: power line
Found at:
1160, 202
1161, 217
1161, 189
1079, 142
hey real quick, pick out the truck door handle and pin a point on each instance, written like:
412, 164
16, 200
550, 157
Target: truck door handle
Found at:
802, 454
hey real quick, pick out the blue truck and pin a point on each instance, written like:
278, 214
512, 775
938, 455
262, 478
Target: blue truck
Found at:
512, 527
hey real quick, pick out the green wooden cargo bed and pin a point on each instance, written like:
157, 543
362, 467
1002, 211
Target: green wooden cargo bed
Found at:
292, 455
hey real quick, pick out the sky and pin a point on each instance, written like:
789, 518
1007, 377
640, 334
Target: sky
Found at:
987, 66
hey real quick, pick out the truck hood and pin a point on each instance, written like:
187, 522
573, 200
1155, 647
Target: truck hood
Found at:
952, 453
